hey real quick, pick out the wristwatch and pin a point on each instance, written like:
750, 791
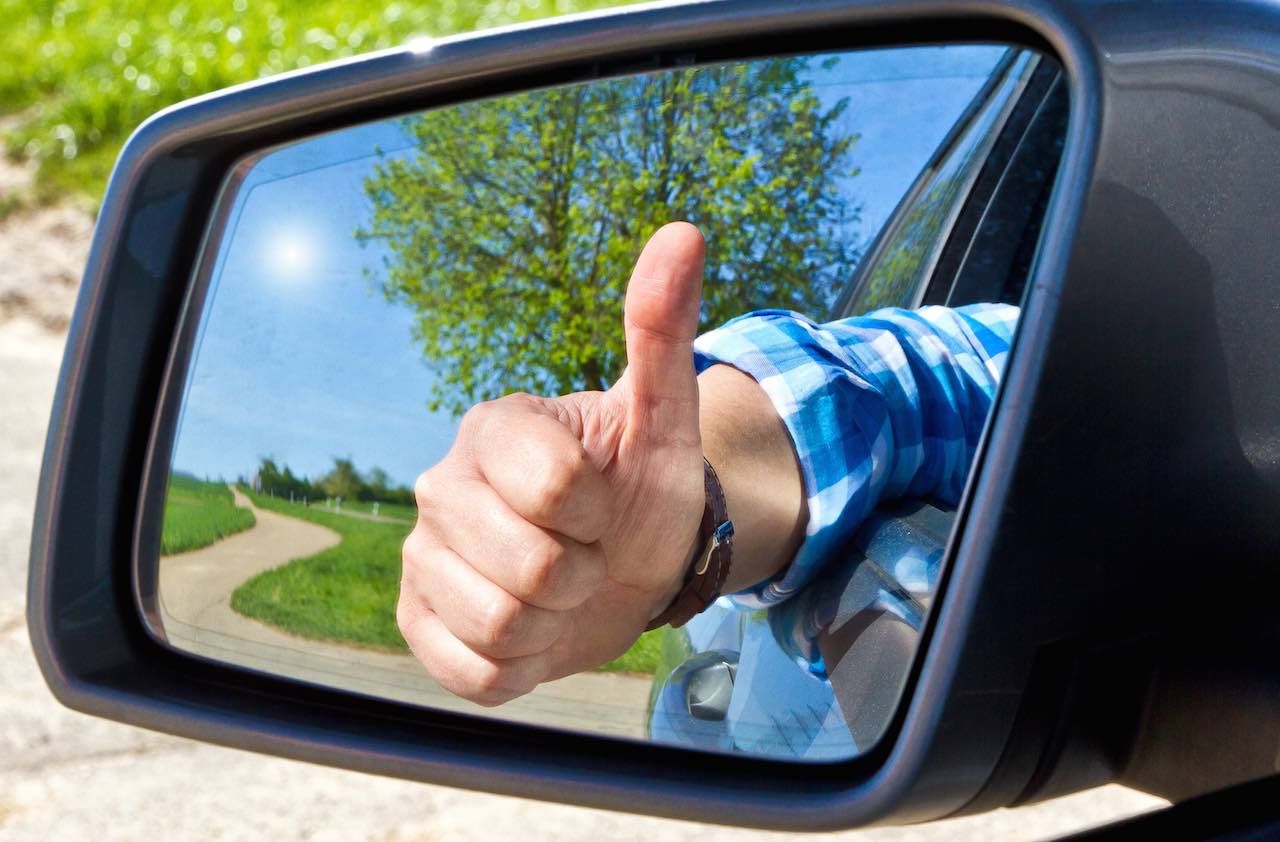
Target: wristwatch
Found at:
710, 567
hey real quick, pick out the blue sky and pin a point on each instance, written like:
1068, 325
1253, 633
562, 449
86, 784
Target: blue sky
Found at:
300, 358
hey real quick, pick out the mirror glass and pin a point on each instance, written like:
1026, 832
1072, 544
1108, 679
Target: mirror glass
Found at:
363, 291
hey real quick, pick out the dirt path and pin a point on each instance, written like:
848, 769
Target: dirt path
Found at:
195, 606
196, 587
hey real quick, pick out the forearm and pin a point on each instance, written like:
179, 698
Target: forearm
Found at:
746, 442
841, 416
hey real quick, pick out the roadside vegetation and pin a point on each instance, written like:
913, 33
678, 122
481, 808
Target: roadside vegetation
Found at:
197, 513
343, 485
642, 657
78, 75
396, 511
347, 593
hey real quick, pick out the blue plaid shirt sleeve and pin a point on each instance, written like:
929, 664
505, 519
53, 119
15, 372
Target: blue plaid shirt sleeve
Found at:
885, 405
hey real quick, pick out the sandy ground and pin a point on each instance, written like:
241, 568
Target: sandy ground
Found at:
67, 776
41, 254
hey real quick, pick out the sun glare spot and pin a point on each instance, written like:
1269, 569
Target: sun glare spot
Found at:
291, 256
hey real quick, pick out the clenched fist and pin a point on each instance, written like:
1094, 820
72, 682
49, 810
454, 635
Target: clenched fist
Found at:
556, 528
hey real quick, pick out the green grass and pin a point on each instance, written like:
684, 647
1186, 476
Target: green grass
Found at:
81, 75
198, 513
399, 511
348, 593
642, 657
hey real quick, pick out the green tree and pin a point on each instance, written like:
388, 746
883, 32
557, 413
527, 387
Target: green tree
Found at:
269, 477
511, 227
343, 480
281, 481
377, 485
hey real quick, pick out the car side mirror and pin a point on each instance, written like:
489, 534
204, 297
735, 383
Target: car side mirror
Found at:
1001, 649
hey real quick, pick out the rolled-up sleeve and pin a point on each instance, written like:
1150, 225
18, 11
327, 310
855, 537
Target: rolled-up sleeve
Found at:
884, 405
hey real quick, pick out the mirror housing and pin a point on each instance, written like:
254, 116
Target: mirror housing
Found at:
1061, 624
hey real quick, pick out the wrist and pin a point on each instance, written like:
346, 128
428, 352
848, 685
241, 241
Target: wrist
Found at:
712, 558
672, 590
746, 440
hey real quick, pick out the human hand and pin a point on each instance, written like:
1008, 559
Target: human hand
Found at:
556, 528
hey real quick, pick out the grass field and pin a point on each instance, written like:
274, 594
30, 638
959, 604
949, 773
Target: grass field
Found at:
399, 511
81, 75
198, 513
348, 593
642, 657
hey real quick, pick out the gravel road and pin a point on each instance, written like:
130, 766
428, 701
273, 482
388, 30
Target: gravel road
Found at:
68, 776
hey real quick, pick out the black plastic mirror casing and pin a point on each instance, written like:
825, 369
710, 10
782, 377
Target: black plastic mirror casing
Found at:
1116, 555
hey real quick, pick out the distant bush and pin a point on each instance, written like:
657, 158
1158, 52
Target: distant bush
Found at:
84, 74
197, 513
344, 481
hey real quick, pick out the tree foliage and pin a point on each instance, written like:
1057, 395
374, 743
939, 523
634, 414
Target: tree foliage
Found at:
511, 227
343, 481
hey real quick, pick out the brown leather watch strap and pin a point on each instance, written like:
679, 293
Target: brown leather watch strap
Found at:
710, 567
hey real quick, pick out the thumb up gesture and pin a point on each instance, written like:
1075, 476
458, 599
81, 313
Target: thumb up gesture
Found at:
556, 528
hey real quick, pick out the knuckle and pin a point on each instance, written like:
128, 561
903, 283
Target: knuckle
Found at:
415, 552
474, 419
408, 613
540, 569
404, 615
573, 464
489, 685
423, 490
524, 400
557, 480
500, 622
411, 549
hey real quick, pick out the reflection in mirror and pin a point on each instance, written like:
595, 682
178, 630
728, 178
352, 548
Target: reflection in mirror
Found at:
422, 455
